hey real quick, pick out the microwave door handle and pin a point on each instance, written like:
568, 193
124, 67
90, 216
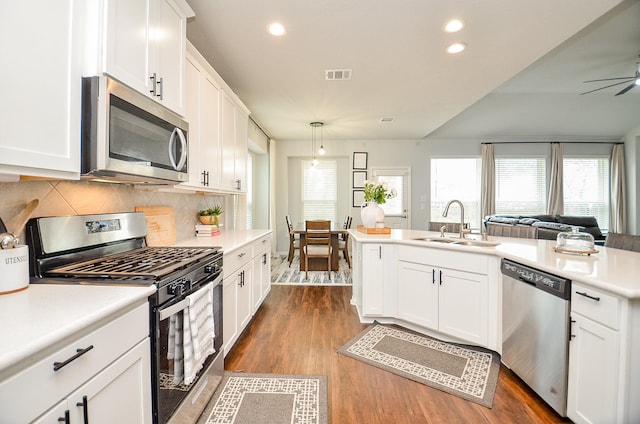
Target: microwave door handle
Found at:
183, 147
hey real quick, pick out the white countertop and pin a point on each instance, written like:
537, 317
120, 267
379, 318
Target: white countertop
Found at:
34, 320
228, 240
614, 270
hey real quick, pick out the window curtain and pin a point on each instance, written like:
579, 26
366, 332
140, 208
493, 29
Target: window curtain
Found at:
488, 183
618, 204
555, 205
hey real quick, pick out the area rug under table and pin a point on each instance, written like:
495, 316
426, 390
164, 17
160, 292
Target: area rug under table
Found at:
284, 274
244, 398
466, 371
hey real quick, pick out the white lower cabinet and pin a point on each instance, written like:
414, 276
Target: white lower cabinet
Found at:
418, 294
246, 275
261, 272
593, 372
451, 301
595, 368
125, 383
373, 273
101, 377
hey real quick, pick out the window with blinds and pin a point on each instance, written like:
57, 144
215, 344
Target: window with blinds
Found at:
586, 188
456, 178
319, 190
521, 186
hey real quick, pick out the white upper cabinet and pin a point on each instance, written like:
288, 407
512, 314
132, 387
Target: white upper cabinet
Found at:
144, 47
235, 127
40, 85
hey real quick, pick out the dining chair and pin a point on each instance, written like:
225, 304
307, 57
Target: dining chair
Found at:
343, 241
623, 241
317, 243
294, 242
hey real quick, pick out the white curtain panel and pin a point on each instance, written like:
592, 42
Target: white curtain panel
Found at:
618, 212
555, 205
488, 195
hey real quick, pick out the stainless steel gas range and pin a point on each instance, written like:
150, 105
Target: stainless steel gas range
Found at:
111, 249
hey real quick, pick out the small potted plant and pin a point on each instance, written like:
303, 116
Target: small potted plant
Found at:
211, 216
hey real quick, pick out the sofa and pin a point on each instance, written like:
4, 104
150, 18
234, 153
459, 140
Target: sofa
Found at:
544, 227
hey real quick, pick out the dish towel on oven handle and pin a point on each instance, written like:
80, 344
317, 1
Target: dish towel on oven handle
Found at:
175, 348
199, 331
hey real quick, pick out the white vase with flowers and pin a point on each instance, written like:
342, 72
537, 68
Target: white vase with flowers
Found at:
375, 194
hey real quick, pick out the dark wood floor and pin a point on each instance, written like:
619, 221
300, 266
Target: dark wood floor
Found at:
298, 330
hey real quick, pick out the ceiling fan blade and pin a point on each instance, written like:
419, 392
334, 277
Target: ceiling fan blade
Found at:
627, 88
606, 86
611, 79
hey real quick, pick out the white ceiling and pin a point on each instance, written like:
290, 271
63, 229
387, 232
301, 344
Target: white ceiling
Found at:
516, 77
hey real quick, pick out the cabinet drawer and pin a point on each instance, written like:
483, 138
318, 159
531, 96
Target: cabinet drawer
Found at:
597, 305
261, 245
29, 393
443, 258
236, 259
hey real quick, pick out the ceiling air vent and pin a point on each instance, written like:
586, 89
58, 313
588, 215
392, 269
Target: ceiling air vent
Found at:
337, 74
387, 119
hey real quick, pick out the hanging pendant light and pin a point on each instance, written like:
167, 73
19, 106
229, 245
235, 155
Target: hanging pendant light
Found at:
314, 137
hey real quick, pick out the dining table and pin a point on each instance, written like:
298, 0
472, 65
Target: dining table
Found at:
319, 264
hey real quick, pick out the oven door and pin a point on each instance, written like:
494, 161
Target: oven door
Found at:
173, 396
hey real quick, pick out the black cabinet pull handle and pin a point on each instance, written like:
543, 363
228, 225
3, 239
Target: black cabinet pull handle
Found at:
597, 299
85, 408
264, 259
440, 277
58, 365
64, 419
433, 276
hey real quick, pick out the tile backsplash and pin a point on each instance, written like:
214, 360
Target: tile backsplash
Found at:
58, 198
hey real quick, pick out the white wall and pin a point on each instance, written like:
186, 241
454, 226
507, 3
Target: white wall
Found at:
415, 154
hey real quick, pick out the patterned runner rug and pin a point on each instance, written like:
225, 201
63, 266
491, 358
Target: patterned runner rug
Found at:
282, 274
269, 398
466, 371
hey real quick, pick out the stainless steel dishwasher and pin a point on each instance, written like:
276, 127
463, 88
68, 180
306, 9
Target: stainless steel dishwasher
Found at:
535, 330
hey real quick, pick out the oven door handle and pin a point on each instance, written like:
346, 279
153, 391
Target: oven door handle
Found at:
171, 310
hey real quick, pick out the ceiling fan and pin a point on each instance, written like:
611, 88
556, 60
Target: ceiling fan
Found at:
632, 81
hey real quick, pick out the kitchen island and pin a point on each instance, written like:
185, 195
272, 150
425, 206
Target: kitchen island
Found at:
454, 292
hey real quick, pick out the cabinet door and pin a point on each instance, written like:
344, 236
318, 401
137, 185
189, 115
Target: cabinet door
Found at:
127, 43
372, 275
193, 94
229, 311
121, 393
418, 293
261, 279
245, 288
210, 131
55, 415
241, 150
125, 384
168, 48
463, 305
228, 136
593, 372
40, 86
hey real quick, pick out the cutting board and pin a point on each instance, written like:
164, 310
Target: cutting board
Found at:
161, 225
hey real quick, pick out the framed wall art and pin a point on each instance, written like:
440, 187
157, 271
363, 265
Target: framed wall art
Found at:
358, 198
360, 160
358, 178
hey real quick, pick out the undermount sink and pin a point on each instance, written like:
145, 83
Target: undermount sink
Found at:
459, 242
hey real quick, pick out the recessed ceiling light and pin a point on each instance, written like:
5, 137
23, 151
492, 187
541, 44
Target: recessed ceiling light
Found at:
277, 29
456, 48
454, 25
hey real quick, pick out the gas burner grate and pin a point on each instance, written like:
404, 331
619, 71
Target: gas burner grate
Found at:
144, 263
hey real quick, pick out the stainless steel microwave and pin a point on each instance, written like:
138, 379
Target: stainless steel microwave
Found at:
128, 137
